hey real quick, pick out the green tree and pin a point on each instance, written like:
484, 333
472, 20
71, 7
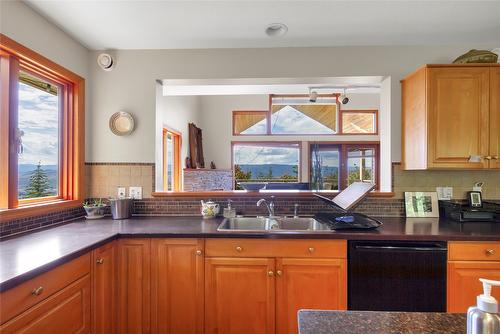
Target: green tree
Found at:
270, 173
240, 174
39, 183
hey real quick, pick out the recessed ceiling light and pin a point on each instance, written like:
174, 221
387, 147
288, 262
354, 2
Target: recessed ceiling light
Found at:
276, 30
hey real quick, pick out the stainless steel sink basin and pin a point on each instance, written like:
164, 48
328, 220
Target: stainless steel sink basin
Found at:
275, 224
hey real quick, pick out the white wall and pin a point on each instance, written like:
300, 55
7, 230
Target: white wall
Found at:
25, 26
174, 113
131, 85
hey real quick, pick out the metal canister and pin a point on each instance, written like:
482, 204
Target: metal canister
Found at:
121, 208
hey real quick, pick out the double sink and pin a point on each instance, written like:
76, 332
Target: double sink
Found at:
272, 224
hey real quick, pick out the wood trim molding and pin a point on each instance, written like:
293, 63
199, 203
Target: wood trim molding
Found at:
255, 194
38, 209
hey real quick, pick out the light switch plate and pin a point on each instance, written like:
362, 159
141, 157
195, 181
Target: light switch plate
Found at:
135, 192
121, 192
444, 193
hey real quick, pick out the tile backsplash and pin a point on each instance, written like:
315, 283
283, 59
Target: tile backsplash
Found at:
103, 179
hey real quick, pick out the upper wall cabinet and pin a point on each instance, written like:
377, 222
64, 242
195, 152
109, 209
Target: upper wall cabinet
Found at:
451, 117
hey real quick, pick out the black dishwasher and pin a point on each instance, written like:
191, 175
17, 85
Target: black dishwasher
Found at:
397, 276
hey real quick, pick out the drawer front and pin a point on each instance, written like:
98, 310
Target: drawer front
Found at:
276, 248
474, 251
24, 296
66, 311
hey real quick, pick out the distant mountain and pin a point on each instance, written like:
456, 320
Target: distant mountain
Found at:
278, 170
25, 171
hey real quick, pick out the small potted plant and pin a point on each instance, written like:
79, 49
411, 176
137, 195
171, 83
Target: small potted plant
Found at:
94, 209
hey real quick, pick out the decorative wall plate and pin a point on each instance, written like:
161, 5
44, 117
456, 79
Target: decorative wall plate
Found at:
121, 123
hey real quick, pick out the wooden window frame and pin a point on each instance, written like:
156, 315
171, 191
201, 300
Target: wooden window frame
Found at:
14, 58
268, 113
177, 159
272, 144
343, 147
361, 111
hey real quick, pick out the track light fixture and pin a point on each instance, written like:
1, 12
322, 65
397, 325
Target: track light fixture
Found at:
343, 98
313, 95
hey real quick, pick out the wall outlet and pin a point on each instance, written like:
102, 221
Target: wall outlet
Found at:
444, 193
121, 192
135, 192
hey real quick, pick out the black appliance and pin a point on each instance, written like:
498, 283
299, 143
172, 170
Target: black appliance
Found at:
397, 276
462, 212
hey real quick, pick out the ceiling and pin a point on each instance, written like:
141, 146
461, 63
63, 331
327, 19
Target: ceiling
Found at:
241, 24
325, 85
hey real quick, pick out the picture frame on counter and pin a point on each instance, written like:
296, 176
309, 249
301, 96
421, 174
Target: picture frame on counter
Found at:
421, 204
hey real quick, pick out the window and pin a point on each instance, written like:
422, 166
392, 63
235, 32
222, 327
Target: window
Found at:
359, 121
171, 160
42, 133
289, 115
39, 137
334, 166
266, 162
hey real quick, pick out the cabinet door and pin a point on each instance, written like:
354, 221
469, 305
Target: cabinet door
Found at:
134, 295
495, 117
177, 286
458, 111
308, 284
104, 289
66, 311
464, 285
239, 295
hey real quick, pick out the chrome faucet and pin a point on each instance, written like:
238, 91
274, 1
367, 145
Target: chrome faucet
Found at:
296, 210
270, 206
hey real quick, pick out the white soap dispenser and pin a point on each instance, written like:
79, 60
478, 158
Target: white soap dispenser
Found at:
484, 318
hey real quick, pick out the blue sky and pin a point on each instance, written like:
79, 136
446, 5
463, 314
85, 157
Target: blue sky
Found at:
39, 119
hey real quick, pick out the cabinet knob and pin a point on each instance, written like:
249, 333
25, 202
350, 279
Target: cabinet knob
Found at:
270, 273
238, 248
100, 261
279, 273
489, 252
311, 249
199, 252
38, 291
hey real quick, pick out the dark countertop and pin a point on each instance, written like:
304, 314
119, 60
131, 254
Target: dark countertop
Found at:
351, 322
26, 256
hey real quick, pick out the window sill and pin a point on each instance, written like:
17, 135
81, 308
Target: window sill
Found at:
244, 193
34, 209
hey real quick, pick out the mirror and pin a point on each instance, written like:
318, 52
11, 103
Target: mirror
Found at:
242, 136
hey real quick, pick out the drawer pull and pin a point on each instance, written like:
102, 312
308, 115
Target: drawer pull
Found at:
488, 157
489, 252
38, 291
270, 273
311, 249
495, 157
239, 249
100, 261
279, 273
199, 252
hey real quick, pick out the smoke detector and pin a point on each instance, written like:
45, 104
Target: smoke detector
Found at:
276, 30
106, 61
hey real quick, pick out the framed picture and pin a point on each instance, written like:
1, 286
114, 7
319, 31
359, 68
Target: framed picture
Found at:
421, 204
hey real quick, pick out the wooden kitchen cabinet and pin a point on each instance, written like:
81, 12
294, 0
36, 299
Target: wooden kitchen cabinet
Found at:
177, 298
239, 295
467, 262
248, 280
308, 284
57, 301
495, 116
134, 293
448, 118
104, 291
